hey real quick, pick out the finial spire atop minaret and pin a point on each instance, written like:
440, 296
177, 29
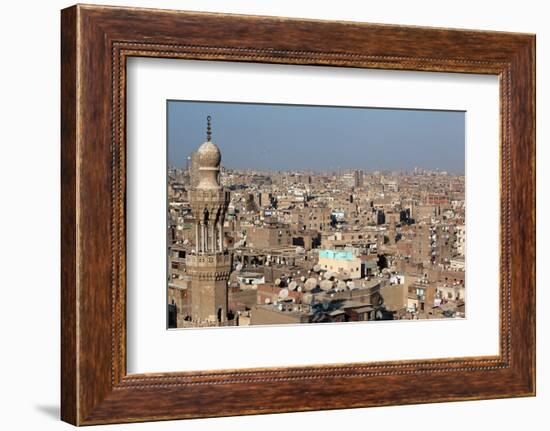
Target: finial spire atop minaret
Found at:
208, 129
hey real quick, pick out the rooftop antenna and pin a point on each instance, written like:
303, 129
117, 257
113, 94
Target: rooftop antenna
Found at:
208, 129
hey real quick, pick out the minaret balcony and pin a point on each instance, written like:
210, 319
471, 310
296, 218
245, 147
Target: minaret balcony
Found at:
208, 259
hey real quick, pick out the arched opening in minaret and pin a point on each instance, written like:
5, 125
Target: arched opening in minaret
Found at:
219, 315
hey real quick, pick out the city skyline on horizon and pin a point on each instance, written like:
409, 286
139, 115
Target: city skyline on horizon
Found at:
328, 171
318, 139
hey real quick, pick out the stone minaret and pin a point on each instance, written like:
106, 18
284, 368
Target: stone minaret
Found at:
209, 263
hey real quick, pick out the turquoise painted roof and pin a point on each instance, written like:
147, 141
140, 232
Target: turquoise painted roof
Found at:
340, 255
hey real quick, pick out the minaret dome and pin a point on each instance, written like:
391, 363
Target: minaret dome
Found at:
209, 155
208, 160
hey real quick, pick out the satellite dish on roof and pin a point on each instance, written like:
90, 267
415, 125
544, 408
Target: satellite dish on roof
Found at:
341, 285
239, 266
277, 282
267, 301
307, 298
293, 285
317, 268
326, 285
310, 284
329, 274
283, 293
302, 278
299, 289
351, 284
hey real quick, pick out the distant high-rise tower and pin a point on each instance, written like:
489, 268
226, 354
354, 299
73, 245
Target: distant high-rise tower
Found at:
209, 263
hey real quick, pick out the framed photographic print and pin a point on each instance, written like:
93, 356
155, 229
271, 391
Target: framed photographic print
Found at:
322, 214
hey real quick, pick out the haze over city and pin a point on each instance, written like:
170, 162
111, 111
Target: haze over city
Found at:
318, 138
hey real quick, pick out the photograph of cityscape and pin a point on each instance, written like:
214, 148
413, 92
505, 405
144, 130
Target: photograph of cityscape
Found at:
290, 214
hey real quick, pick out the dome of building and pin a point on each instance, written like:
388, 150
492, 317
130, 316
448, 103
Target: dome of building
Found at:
208, 158
209, 155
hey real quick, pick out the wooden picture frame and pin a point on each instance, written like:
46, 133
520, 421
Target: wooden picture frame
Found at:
95, 43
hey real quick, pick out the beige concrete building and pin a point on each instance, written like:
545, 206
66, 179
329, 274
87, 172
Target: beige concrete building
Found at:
340, 262
268, 236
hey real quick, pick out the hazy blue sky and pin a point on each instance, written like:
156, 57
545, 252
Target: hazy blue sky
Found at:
281, 137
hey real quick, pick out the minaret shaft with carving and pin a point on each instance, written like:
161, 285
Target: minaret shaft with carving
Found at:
209, 263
